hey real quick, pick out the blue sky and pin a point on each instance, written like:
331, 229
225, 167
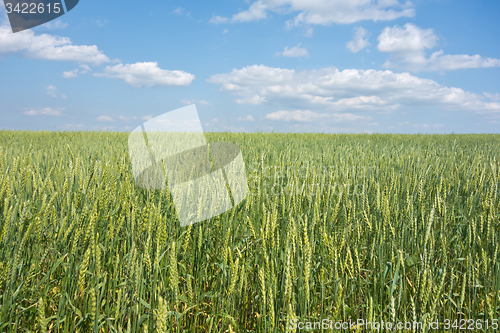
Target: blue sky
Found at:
363, 66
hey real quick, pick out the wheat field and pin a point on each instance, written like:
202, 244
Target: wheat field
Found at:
338, 227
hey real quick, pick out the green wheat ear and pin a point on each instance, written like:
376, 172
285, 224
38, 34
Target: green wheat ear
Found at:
81, 243
42, 321
174, 275
162, 316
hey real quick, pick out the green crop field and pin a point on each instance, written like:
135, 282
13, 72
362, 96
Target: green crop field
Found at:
336, 227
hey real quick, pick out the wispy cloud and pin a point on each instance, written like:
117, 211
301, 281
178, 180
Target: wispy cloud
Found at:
178, 11
359, 40
51, 90
247, 118
86, 68
295, 51
307, 116
70, 74
416, 125
194, 101
181, 11
146, 74
324, 12
56, 25
126, 119
105, 118
74, 73
44, 112
100, 22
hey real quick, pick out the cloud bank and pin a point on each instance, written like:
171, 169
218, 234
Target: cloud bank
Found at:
347, 90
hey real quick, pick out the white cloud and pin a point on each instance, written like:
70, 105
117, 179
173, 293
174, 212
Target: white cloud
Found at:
178, 11
218, 20
44, 46
257, 11
104, 118
63, 96
309, 32
323, 12
146, 74
70, 74
247, 118
56, 25
44, 112
410, 38
295, 51
416, 125
75, 72
194, 101
86, 68
51, 90
350, 89
359, 40
126, 119
254, 100
188, 101
439, 62
495, 97
148, 117
407, 47
307, 116
225, 31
